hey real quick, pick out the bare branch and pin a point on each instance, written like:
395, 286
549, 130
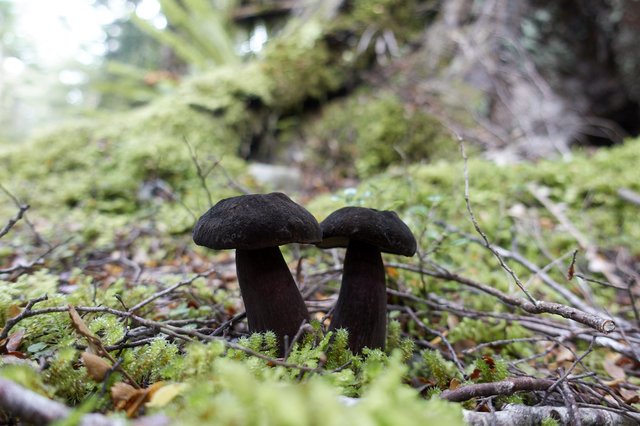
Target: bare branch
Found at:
521, 414
629, 195
11, 322
592, 320
169, 290
34, 408
22, 208
503, 387
479, 230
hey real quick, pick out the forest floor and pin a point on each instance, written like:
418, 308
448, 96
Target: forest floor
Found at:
520, 305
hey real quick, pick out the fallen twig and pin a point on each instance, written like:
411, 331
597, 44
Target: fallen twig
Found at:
524, 415
34, 408
594, 321
169, 290
479, 230
503, 387
629, 195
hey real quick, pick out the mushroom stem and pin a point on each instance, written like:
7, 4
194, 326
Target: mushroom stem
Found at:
271, 298
362, 303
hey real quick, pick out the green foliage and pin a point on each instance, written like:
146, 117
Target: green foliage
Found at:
200, 32
481, 331
396, 342
69, 379
153, 362
235, 395
25, 375
549, 421
377, 131
434, 366
489, 369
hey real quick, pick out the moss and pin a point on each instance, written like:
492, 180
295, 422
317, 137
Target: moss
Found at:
363, 135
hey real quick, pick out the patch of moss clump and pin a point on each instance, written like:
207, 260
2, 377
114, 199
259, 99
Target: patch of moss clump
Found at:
364, 135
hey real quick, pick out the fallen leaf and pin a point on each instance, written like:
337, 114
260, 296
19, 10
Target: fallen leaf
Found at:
78, 323
166, 394
630, 396
95, 345
126, 397
490, 362
475, 374
564, 355
121, 393
454, 384
96, 366
613, 370
13, 311
12, 343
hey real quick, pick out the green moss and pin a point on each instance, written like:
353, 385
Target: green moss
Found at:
365, 134
234, 395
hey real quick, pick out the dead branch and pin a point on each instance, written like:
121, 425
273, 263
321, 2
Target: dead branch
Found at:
539, 307
529, 416
31, 407
21, 211
11, 322
170, 290
503, 387
186, 334
629, 195
570, 403
479, 230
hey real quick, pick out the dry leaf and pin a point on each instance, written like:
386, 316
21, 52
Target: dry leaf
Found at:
436, 340
165, 394
613, 370
126, 397
11, 343
121, 393
630, 396
564, 355
79, 324
454, 384
95, 345
96, 366
13, 311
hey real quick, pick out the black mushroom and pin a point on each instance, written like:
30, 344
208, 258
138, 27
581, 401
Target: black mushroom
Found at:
362, 302
256, 225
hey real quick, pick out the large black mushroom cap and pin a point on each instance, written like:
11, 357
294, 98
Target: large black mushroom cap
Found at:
381, 229
255, 225
256, 221
362, 302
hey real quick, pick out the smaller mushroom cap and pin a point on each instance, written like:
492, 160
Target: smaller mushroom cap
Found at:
383, 229
256, 221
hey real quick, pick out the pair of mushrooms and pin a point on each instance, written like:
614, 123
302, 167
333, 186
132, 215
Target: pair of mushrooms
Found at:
256, 225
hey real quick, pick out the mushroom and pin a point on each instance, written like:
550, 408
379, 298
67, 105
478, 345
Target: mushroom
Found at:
256, 225
362, 302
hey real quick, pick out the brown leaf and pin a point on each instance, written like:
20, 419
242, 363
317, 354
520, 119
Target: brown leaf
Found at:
13, 311
95, 344
14, 341
121, 393
165, 394
96, 366
11, 343
79, 324
126, 397
630, 396
490, 362
454, 384
613, 370
564, 355
475, 374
